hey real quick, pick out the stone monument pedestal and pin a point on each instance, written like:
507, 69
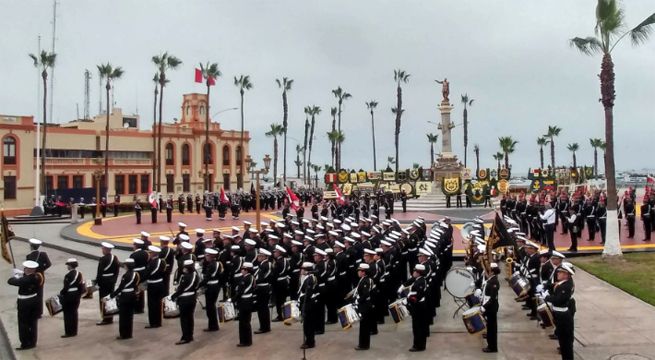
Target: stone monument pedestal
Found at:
447, 164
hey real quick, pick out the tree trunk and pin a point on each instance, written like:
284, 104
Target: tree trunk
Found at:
466, 137
477, 161
207, 147
44, 186
499, 165
304, 150
399, 113
338, 145
595, 162
575, 163
333, 143
106, 183
154, 140
541, 155
375, 165
162, 82
507, 161
275, 155
284, 124
552, 153
309, 153
431, 153
240, 178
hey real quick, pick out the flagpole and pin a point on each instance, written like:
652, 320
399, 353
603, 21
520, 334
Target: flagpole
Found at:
37, 171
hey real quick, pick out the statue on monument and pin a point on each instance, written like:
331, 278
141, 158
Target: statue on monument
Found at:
445, 90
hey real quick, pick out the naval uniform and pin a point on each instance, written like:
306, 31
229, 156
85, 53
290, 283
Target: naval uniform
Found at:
417, 307
364, 306
306, 295
168, 255
41, 257
155, 275
263, 292
70, 294
126, 293
140, 257
28, 307
563, 306
212, 273
490, 304
185, 296
106, 277
244, 299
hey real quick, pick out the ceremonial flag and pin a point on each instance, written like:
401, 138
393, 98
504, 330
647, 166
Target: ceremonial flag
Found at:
650, 180
199, 77
340, 199
152, 199
5, 236
293, 199
499, 235
223, 197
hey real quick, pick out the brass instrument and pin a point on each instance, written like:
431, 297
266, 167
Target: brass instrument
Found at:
467, 238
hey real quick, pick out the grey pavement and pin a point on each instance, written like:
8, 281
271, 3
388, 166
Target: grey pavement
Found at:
608, 322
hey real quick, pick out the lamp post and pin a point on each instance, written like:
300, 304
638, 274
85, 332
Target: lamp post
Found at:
97, 176
264, 171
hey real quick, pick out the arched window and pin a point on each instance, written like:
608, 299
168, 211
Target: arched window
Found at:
170, 156
188, 110
208, 154
9, 150
238, 155
226, 155
186, 154
202, 110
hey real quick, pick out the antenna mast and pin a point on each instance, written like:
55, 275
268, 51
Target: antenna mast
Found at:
52, 70
87, 94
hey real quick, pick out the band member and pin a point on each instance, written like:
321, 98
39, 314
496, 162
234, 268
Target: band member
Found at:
264, 278
180, 203
117, 202
137, 210
168, 255
364, 305
212, 271
549, 217
169, 209
140, 257
629, 209
185, 296
41, 258
306, 303
490, 306
106, 276
71, 294
417, 308
29, 281
154, 277
645, 218
573, 228
244, 300
563, 306
126, 293
153, 213
601, 215
281, 283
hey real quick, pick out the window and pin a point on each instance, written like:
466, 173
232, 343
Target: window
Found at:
238, 155
78, 181
9, 150
62, 182
145, 183
186, 154
10, 187
170, 154
49, 182
226, 181
188, 110
186, 182
132, 182
120, 184
130, 121
170, 183
202, 110
239, 181
207, 154
226, 155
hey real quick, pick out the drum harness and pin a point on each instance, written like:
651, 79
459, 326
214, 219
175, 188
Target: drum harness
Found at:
71, 288
186, 291
153, 272
108, 267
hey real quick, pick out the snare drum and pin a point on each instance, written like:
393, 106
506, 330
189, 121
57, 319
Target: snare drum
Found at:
109, 307
171, 310
473, 320
460, 282
54, 305
91, 287
472, 300
521, 287
225, 311
347, 316
398, 311
291, 312
546, 315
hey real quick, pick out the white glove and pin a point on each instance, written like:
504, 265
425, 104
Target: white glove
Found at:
106, 297
477, 293
404, 301
482, 309
400, 289
545, 293
17, 273
540, 288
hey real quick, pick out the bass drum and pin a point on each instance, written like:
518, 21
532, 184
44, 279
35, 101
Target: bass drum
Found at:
460, 282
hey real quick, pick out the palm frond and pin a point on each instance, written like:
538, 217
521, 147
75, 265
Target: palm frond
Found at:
642, 31
588, 46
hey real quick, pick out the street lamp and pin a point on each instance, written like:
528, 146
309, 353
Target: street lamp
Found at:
97, 176
225, 110
267, 164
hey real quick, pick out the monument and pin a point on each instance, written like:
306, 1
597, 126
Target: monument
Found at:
446, 165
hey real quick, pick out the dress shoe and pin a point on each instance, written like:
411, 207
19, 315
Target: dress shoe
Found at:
277, 320
552, 337
380, 322
138, 312
122, 338
25, 347
305, 346
646, 240
374, 332
330, 322
67, 336
319, 332
209, 330
415, 349
243, 345
361, 348
100, 323
487, 350
262, 331
152, 327
182, 342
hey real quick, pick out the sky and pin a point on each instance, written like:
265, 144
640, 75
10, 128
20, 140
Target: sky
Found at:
512, 56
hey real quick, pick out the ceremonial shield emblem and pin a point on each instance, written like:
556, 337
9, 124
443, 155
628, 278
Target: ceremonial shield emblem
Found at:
330, 178
402, 176
503, 186
545, 173
482, 174
494, 173
343, 176
451, 185
361, 176
409, 189
353, 177
414, 174
466, 174
426, 175
374, 176
504, 174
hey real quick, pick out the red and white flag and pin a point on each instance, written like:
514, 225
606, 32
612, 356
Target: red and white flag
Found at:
223, 197
293, 200
152, 199
340, 199
199, 78
650, 180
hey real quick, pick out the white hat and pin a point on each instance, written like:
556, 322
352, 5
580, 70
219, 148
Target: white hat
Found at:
264, 252
298, 232
308, 238
294, 222
557, 254
280, 225
336, 221
164, 238
137, 241
146, 234
494, 265
346, 227
369, 251
184, 237
568, 267
251, 242
307, 265
211, 251
306, 221
339, 244
188, 262
274, 237
323, 218
296, 243
356, 235
329, 251
531, 244
181, 224
320, 252
363, 266
71, 260
235, 248
310, 231
246, 222
333, 233
216, 230
252, 231
419, 267
544, 252
263, 223
423, 251
186, 245
280, 249
378, 250
287, 235
30, 264
234, 228
35, 241
349, 239
154, 249
107, 245
129, 261
364, 233
199, 231
247, 265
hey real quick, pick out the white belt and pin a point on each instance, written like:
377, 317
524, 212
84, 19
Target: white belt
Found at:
237, 275
187, 293
331, 278
140, 268
108, 275
23, 297
342, 273
73, 289
262, 285
560, 309
295, 270
282, 278
321, 285
246, 296
212, 282
127, 290
155, 281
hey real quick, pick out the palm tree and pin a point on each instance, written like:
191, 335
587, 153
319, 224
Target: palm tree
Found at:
298, 162
314, 110
333, 113
155, 79
276, 130
390, 161
603, 146
476, 150
498, 157
44, 61
542, 141
595, 143
210, 73
316, 169
341, 95
337, 137
163, 62
553, 131
609, 31
432, 139
243, 83
467, 102
108, 72
371, 105
573, 148
399, 76
507, 145
307, 110
285, 84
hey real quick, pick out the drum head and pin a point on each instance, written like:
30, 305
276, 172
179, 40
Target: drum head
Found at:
459, 282
473, 310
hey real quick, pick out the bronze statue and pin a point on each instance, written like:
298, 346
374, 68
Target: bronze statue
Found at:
445, 89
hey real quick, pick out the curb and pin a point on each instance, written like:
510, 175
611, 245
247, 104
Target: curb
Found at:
65, 234
63, 249
6, 350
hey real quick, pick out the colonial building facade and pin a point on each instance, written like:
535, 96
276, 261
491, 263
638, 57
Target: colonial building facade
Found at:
75, 151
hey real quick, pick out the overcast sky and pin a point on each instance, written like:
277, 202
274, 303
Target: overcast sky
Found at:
511, 56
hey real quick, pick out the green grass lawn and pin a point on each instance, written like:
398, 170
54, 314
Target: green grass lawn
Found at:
633, 274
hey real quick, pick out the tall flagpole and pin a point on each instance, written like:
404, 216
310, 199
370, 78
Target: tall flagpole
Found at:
37, 172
